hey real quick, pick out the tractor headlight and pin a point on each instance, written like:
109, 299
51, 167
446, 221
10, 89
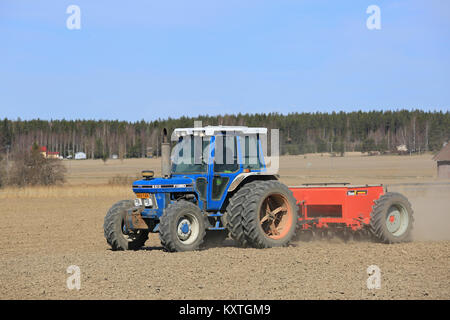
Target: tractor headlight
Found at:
148, 202
137, 202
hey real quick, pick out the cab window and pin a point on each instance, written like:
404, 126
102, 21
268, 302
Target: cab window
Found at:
226, 155
251, 152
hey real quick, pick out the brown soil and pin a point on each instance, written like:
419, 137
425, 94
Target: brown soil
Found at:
38, 248
40, 236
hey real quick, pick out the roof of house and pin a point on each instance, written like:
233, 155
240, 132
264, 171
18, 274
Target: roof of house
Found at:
444, 154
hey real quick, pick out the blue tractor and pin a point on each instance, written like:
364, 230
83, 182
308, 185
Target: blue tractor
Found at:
215, 184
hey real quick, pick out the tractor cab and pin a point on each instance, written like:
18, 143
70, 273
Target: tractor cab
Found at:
213, 157
206, 164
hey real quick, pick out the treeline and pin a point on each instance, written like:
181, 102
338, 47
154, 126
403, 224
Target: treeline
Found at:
299, 132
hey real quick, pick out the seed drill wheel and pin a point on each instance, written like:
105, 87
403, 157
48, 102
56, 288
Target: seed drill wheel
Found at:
116, 233
270, 216
392, 218
181, 227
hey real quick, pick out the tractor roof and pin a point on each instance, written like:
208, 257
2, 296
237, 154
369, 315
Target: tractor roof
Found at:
212, 130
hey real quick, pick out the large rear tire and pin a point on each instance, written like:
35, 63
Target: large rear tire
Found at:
181, 227
233, 216
269, 218
391, 219
115, 232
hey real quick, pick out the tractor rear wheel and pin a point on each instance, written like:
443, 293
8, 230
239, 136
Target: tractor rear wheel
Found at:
233, 216
269, 218
391, 218
181, 227
116, 234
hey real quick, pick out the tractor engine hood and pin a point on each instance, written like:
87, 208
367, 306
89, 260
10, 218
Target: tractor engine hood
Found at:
163, 185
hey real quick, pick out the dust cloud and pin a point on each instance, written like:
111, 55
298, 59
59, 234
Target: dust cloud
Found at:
431, 206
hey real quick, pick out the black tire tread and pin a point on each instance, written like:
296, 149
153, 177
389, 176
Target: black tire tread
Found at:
165, 235
113, 235
234, 211
378, 219
253, 235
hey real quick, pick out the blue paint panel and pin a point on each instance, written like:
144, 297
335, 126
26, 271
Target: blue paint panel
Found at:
217, 226
164, 181
185, 228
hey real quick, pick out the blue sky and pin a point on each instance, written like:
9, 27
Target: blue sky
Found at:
134, 60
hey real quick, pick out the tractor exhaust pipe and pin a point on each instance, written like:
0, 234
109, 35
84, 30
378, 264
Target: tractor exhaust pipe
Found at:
165, 154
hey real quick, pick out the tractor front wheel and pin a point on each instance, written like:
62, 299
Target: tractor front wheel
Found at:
116, 233
181, 227
391, 218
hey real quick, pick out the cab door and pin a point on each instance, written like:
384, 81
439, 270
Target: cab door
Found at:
223, 168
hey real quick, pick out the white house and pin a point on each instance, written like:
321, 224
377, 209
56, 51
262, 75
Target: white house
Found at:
80, 156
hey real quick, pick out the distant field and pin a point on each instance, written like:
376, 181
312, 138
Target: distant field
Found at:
352, 168
46, 229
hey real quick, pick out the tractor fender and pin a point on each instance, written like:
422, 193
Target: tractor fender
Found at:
242, 176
